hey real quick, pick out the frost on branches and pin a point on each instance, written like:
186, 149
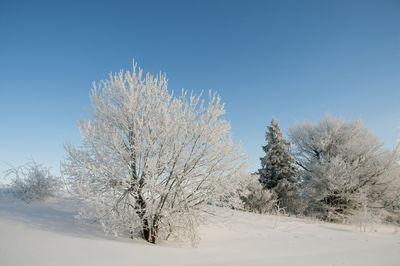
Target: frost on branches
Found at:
278, 167
345, 168
254, 197
33, 182
151, 162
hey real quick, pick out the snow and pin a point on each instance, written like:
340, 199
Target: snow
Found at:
48, 234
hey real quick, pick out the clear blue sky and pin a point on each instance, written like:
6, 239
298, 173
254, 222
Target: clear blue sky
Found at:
294, 60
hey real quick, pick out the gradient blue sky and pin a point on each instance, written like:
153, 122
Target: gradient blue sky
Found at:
294, 60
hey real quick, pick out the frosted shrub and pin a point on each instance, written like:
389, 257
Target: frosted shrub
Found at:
255, 198
364, 218
33, 182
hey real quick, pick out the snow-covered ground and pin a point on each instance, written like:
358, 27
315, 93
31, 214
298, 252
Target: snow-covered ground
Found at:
48, 234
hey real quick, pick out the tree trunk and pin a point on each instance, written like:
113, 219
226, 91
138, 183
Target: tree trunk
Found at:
150, 234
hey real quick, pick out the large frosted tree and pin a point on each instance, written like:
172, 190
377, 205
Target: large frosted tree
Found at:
151, 162
278, 168
345, 168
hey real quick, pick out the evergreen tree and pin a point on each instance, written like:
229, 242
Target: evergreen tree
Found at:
278, 166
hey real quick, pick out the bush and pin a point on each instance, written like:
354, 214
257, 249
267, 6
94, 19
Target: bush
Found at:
33, 182
363, 218
254, 197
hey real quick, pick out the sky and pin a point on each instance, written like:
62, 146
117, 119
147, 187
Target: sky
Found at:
293, 60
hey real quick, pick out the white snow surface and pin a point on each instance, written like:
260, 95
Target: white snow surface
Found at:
48, 234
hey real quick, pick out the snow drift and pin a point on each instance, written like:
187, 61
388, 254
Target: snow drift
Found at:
48, 234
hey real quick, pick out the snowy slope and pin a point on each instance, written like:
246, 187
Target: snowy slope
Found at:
48, 234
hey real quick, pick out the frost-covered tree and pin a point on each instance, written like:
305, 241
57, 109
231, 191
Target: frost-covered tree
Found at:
151, 161
344, 167
278, 168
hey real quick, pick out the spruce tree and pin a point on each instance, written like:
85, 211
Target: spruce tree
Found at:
278, 166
